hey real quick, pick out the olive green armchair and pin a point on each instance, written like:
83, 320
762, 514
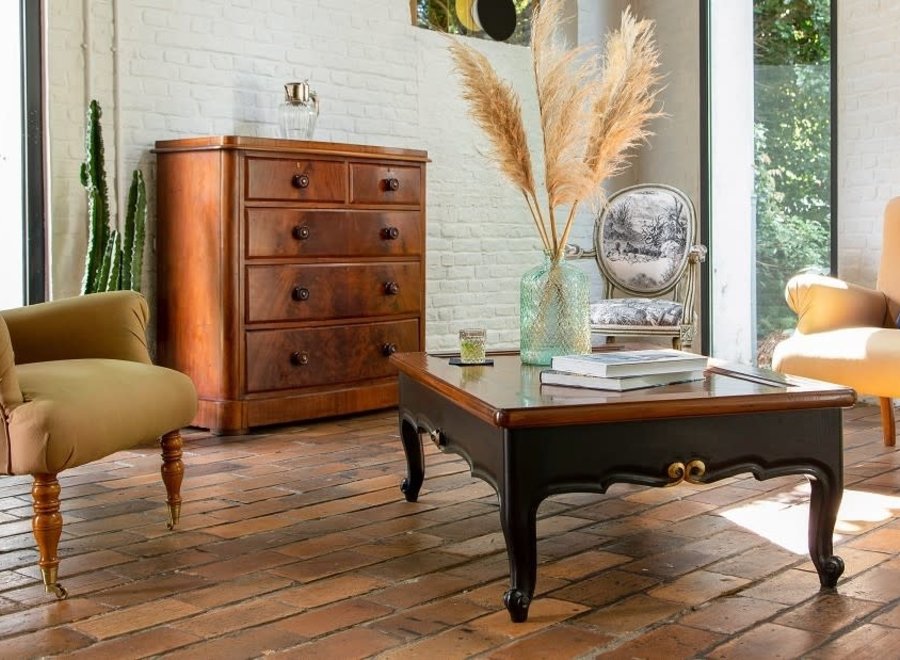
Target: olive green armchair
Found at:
77, 384
847, 333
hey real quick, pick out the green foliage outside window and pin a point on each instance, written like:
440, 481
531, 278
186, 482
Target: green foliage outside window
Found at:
793, 150
441, 15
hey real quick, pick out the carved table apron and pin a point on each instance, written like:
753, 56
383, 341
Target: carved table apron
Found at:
698, 432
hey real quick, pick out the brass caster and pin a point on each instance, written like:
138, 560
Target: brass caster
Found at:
57, 590
174, 516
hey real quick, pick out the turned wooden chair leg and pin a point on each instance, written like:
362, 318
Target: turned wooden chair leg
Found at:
47, 526
887, 422
172, 471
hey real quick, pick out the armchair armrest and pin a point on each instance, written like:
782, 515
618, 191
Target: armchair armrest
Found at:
826, 303
10, 394
572, 251
99, 325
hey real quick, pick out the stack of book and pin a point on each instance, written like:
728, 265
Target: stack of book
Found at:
625, 370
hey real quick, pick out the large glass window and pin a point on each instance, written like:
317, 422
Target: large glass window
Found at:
12, 258
792, 154
769, 172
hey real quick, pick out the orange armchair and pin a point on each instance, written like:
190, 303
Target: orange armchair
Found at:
77, 384
847, 333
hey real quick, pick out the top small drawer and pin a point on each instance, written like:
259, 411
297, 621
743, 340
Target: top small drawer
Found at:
296, 180
374, 183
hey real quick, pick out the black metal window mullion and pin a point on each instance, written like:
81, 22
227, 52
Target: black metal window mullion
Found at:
34, 215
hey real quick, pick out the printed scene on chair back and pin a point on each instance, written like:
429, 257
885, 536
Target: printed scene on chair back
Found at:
643, 239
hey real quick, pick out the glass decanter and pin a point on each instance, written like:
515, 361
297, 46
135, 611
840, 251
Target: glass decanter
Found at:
299, 111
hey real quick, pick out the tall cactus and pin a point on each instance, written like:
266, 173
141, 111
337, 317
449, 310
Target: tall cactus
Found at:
114, 259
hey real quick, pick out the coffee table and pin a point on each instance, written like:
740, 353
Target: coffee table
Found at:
530, 442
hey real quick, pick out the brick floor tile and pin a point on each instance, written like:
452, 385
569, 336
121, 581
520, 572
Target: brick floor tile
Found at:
135, 618
416, 564
420, 590
399, 545
43, 643
757, 563
605, 588
259, 641
153, 642
583, 564
329, 590
769, 641
880, 540
331, 618
868, 642
732, 614
49, 615
324, 566
152, 588
209, 623
881, 584
237, 589
827, 613
231, 568
698, 587
890, 617
346, 645
680, 510
790, 587
457, 643
670, 642
629, 615
557, 642
412, 624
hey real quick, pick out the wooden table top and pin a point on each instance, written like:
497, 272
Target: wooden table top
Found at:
509, 394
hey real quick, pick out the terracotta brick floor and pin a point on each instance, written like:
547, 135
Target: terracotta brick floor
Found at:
296, 542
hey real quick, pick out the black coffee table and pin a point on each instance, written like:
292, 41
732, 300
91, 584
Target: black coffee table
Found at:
530, 442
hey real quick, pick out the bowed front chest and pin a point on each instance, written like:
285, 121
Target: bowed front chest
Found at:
288, 273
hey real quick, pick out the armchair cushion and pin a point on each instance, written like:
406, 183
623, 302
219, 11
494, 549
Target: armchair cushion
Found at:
864, 358
99, 325
636, 311
77, 411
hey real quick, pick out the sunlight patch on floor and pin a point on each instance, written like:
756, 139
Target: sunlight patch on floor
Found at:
783, 518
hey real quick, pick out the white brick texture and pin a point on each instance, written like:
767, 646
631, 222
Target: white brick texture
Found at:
868, 131
210, 67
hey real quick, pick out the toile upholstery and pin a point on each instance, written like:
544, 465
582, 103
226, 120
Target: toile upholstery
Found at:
847, 333
645, 248
76, 385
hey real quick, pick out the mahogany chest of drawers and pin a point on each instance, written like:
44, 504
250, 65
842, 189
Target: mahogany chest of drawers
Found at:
288, 273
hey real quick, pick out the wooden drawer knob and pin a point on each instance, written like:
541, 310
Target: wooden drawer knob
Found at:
299, 358
301, 233
300, 181
391, 288
390, 233
300, 293
388, 350
392, 184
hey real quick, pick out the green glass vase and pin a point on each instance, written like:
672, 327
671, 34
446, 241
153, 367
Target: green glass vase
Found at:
554, 312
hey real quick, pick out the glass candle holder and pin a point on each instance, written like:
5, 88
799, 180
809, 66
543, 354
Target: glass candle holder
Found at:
471, 345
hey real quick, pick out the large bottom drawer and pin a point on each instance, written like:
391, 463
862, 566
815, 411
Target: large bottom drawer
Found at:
304, 357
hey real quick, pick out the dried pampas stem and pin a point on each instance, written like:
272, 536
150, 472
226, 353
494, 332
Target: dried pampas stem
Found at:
592, 115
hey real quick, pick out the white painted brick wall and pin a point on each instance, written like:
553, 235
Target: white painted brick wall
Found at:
209, 67
869, 131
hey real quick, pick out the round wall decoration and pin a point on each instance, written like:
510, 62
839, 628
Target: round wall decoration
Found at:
496, 17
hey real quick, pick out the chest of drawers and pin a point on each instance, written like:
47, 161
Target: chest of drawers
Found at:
288, 273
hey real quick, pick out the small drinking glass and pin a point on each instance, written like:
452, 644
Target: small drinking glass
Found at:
471, 346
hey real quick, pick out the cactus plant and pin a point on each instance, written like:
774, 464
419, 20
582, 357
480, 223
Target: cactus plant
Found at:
114, 259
